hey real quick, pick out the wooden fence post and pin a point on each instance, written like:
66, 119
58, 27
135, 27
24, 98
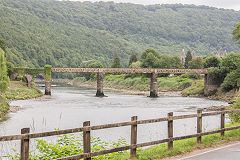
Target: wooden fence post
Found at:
133, 152
86, 140
25, 145
199, 125
222, 121
170, 130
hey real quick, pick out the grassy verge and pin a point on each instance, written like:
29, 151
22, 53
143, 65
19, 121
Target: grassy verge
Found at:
19, 90
141, 83
174, 83
188, 145
196, 89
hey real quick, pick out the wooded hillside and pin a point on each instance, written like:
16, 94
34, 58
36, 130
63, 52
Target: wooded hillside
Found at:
65, 33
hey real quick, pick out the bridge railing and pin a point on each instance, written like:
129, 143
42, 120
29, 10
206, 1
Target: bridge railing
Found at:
25, 135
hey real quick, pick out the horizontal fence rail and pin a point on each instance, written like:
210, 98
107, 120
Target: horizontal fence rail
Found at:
25, 135
131, 70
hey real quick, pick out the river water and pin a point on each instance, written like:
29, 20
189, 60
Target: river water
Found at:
69, 107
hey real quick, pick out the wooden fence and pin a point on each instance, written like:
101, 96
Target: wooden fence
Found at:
25, 135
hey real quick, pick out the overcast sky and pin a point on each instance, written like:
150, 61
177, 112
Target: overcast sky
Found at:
228, 4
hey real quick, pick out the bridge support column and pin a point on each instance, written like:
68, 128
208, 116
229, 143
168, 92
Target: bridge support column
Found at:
100, 77
48, 79
210, 87
154, 85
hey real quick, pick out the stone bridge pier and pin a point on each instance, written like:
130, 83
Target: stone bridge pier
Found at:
100, 76
154, 85
210, 86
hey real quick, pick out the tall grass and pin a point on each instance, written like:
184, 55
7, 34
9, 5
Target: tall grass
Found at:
188, 145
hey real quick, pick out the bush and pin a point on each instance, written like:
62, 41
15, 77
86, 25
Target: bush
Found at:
197, 88
232, 81
218, 75
211, 61
81, 79
191, 76
235, 117
21, 78
69, 145
231, 62
10, 68
3, 106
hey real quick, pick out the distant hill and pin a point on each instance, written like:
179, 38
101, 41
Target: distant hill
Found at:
65, 33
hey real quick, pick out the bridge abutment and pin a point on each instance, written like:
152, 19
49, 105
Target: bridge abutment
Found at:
210, 87
100, 77
154, 85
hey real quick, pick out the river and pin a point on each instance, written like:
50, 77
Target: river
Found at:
69, 107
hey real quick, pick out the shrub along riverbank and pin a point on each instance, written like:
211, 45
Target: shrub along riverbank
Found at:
141, 83
19, 90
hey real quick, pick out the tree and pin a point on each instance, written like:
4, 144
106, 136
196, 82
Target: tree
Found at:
150, 58
116, 62
3, 45
96, 64
231, 62
195, 63
135, 65
4, 82
232, 80
149, 50
187, 59
133, 58
4, 79
10, 68
211, 61
150, 61
236, 33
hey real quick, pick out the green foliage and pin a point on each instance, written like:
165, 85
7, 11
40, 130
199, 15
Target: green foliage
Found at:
217, 75
133, 58
21, 78
196, 88
211, 61
231, 62
152, 59
3, 45
4, 106
188, 145
188, 59
141, 83
232, 80
191, 76
116, 62
10, 68
236, 33
69, 145
235, 117
67, 33
48, 72
136, 64
4, 79
196, 63
95, 64
19, 90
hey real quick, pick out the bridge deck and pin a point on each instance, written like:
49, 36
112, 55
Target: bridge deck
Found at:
131, 70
